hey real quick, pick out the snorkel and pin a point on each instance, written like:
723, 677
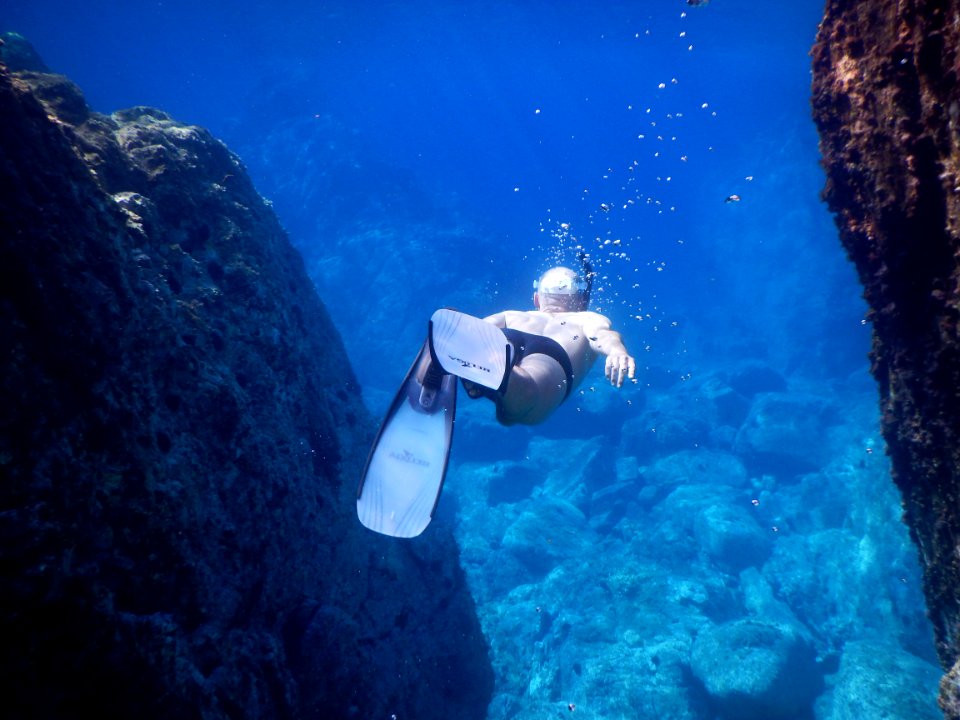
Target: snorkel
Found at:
587, 273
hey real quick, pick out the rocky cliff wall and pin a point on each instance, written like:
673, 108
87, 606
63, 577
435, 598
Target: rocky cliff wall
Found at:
180, 436
887, 103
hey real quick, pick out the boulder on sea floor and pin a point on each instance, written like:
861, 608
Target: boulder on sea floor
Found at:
670, 527
510, 482
704, 411
660, 431
610, 504
549, 531
730, 535
696, 467
572, 468
878, 680
756, 670
786, 432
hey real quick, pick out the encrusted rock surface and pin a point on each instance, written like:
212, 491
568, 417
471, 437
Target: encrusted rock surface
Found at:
887, 104
180, 435
877, 679
755, 669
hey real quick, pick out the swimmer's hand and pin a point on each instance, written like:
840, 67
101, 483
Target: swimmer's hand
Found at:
618, 368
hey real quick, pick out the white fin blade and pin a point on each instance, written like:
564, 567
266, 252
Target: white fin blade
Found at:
405, 473
469, 347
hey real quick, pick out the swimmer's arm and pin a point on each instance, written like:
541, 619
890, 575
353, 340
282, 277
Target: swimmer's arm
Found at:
619, 364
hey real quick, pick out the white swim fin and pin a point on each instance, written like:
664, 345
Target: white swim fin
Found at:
471, 348
404, 474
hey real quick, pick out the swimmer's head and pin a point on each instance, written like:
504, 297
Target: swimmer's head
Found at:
560, 289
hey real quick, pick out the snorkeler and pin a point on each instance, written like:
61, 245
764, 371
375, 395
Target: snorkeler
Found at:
527, 362
554, 348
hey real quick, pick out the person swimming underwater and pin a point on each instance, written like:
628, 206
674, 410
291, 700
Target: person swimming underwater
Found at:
526, 361
555, 346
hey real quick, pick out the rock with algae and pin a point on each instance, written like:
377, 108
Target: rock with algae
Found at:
180, 433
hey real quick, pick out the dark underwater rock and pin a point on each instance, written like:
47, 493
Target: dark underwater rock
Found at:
18, 54
180, 433
886, 100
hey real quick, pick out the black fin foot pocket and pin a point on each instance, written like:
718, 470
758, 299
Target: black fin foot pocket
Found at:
476, 391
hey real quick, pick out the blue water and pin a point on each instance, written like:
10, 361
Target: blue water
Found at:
423, 154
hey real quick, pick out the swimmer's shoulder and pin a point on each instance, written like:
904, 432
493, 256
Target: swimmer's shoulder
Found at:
591, 318
519, 315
